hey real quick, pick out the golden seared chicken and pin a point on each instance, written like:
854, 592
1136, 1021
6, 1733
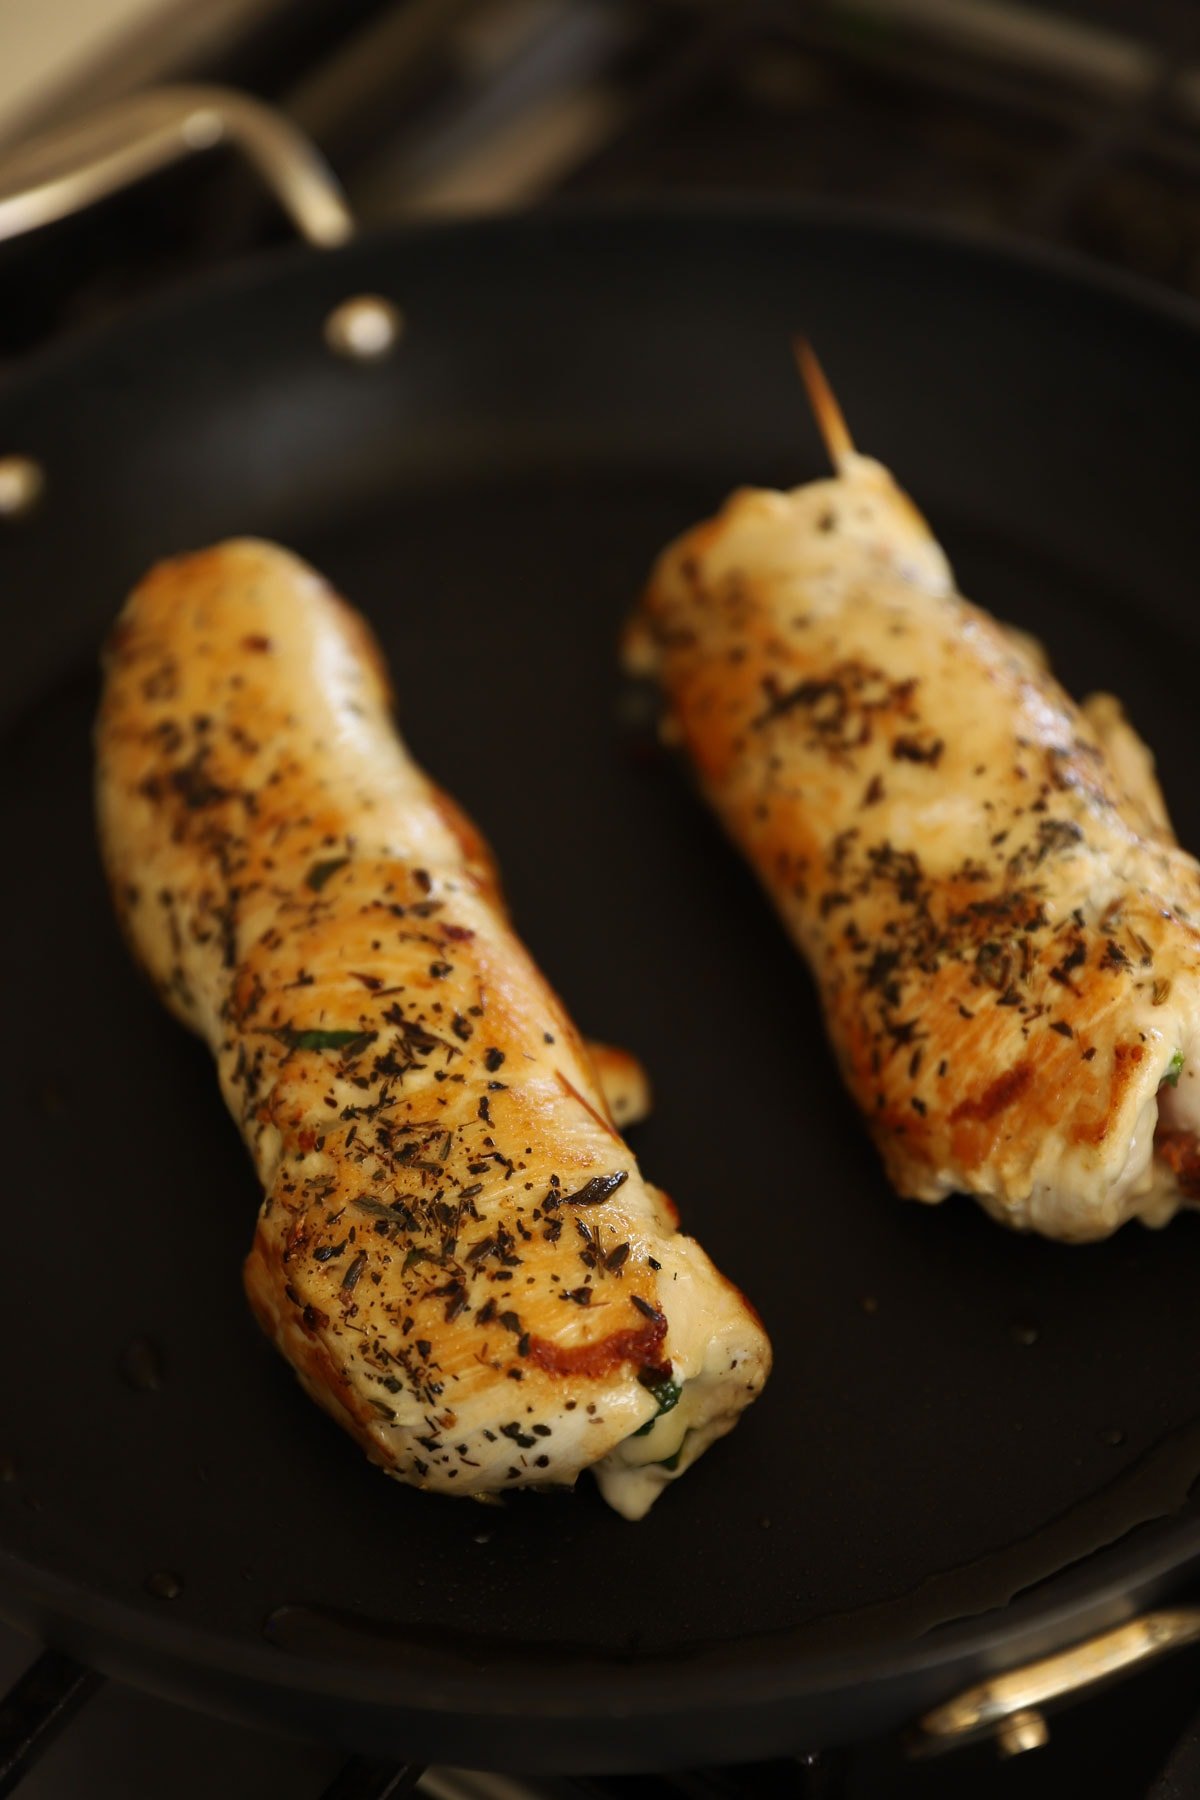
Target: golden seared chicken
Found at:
456, 1251
980, 872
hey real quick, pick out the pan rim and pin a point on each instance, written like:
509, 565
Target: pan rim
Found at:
282, 262
596, 1690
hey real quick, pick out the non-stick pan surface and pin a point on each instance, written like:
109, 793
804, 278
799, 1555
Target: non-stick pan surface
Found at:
957, 1416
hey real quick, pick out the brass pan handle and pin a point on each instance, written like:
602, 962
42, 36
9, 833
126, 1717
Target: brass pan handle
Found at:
1008, 1706
62, 171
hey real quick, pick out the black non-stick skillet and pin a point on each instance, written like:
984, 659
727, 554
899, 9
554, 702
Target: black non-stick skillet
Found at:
976, 1448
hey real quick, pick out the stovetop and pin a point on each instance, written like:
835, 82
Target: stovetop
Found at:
1076, 124
124, 1744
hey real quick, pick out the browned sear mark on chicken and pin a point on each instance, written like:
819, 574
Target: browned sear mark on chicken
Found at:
641, 1345
1126, 1058
998, 1095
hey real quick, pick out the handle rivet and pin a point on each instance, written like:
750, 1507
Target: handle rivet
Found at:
203, 128
364, 328
1025, 1730
21, 484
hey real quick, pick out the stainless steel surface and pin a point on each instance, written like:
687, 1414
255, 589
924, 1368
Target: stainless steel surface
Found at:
61, 58
63, 171
1009, 1705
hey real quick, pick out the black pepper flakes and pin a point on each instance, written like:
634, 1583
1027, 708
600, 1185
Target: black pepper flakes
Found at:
321, 872
1062, 971
597, 1190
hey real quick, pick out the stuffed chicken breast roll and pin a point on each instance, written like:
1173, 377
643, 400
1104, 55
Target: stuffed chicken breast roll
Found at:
456, 1250
979, 871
